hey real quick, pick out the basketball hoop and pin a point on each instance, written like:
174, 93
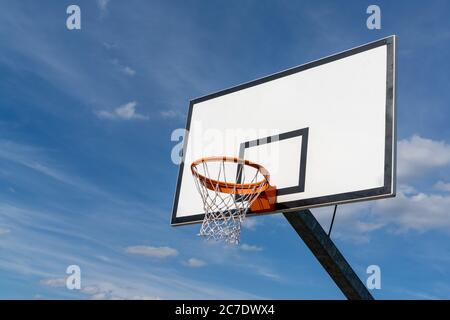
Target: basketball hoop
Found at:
229, 187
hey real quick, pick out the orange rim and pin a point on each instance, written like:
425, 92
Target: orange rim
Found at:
229, 187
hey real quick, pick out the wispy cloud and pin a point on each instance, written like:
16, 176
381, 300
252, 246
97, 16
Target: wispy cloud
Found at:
127, 70
117, 278
109, 45
247, 247
268, 274
414, 294
103, 4
233, 258
49, 60
194, 263
442, 186
251, 223
154, 252
406, 189
124, 112
56, 282
110, 291
4, 231
172, 114
35, 158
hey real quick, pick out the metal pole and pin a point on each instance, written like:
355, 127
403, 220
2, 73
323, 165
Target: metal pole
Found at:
329, 256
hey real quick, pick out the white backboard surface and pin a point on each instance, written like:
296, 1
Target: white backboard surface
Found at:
324, 130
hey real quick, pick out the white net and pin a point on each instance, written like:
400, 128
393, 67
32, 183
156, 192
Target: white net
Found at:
228, 186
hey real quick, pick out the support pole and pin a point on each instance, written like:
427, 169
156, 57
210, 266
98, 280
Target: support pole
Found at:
329, 256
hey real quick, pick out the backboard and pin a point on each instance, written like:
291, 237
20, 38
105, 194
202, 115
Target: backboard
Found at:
324, 130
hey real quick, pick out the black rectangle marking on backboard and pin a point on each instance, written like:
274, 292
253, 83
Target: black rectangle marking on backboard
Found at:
300, 187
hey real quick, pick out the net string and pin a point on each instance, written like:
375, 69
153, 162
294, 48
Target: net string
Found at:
225, 212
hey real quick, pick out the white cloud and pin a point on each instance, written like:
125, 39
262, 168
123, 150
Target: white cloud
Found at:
110, 45
406, 189
250, 223
124, 112
103, 114
128, 111
259, 269
194, 263
172, 114
4, 231
144, 298
58, 282
91, 289
154, 252
420, 211
442, 186
109, 291
123, 68
103, 4
247, 247
412, 211
268, 274
104, 258
417, 155
128, 71
366, 227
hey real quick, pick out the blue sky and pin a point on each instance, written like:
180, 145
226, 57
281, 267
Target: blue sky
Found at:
85, 171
